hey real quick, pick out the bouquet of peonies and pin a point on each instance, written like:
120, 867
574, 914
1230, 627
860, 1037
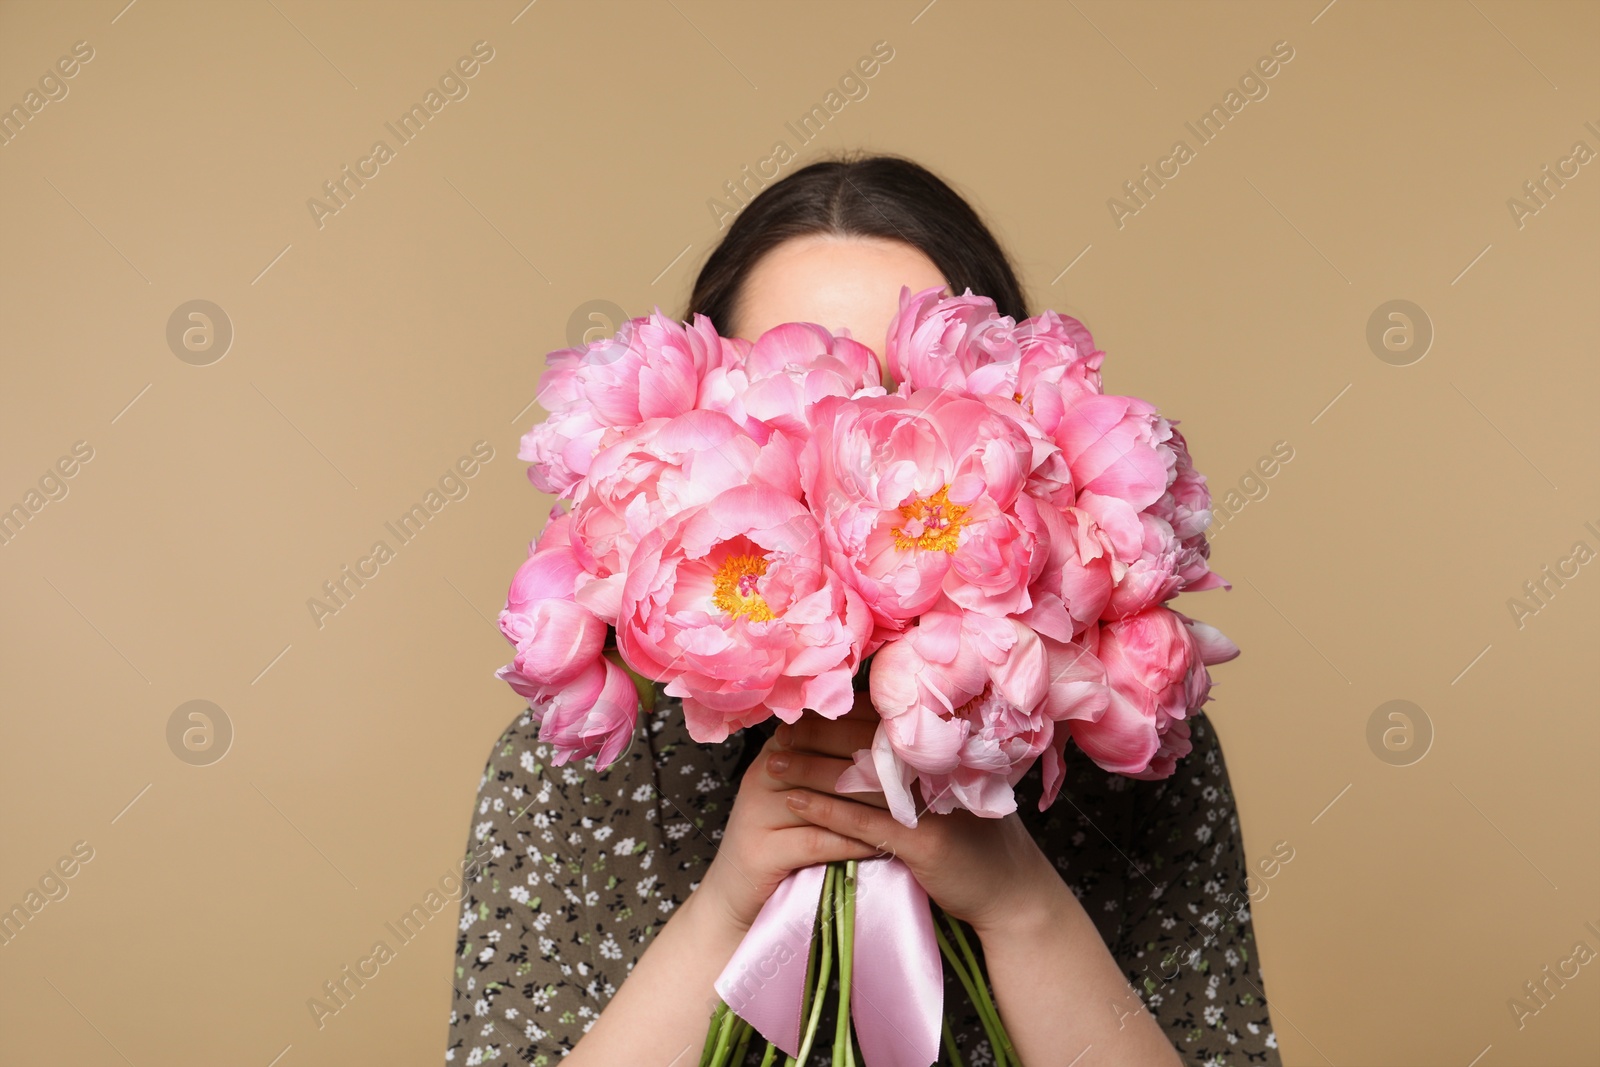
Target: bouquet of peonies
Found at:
992, 546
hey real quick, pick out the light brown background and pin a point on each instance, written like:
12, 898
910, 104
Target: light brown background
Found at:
377, 349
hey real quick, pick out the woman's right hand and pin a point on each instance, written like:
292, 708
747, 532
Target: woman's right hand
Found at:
663, 1007
764, 840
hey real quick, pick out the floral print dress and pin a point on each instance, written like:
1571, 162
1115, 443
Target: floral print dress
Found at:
576, 871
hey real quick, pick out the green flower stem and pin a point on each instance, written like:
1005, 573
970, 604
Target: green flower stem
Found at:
812, 953
770, 1055
950, 1044
710, 1046
959, 969
725, 1035
989, 1028
982, 984
743, 1043
719, 1055
853, 867
844, 1048
824, 941
845, 915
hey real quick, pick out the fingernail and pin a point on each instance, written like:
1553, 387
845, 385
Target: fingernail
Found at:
778, 763
783, 733
799, 801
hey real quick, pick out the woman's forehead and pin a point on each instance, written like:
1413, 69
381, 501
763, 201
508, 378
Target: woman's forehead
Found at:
842, 283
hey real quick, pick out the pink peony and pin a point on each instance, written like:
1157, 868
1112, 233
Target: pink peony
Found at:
1151, 576
1161, 551
1114, 445
731, 604
789, 368
968, 703
1074, 585
1161, 569
557, 530
1186, 508
652, 472
1155, 664
1050, 339
595, 714
586, 704
653, 368
556, 638
918, 497
964, 343
1059, 367
1079, 693
1055, 363
938, 342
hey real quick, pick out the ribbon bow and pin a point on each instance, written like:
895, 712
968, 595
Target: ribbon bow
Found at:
897, 983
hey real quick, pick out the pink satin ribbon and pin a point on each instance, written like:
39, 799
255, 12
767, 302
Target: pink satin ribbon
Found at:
896, 983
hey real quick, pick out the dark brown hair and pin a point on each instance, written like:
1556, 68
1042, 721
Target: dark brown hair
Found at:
871, 196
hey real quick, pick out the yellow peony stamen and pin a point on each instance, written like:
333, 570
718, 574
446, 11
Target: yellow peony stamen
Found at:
734, 588
935, 524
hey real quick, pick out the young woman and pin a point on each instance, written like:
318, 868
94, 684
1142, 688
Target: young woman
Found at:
605, 905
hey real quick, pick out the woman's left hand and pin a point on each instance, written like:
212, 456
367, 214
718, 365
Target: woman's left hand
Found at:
981, 870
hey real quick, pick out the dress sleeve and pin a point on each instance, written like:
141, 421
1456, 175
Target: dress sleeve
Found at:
571, 872
521, 954
1187, 940
561, 893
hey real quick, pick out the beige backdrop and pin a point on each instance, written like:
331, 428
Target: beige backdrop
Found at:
1440, 459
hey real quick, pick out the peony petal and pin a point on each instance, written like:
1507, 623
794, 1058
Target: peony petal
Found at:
1214, 645
1123, 740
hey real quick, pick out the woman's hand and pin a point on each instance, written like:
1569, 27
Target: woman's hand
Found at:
1051, 972
763, 841
982, 870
